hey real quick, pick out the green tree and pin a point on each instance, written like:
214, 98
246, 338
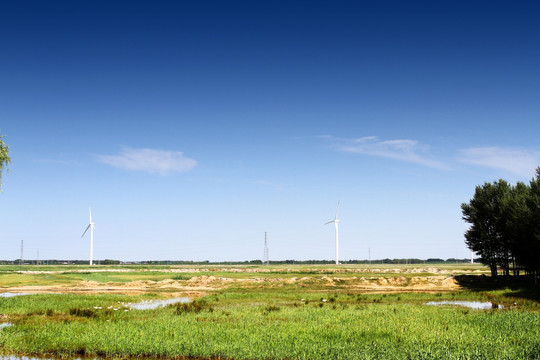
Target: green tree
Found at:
516, 227
4, 157
505, 225
529, 254
487, 213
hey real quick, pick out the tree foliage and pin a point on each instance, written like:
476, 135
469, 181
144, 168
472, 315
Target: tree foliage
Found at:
505, 225
4, 157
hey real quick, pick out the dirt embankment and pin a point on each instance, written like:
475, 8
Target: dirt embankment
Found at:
205, 283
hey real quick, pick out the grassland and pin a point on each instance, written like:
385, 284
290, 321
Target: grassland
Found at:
292, 313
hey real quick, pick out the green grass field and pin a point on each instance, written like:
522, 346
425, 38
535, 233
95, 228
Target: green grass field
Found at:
267, 322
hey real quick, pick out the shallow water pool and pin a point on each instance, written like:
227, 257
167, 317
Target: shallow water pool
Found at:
154, 304
8, 295
477, 305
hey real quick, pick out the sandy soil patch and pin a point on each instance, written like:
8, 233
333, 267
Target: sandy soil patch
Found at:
205, 284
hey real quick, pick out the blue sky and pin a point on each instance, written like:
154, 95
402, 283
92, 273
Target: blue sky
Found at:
194, 127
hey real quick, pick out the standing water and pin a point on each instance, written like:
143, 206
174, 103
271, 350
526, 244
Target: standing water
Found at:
477, 305
8, 295
154, 304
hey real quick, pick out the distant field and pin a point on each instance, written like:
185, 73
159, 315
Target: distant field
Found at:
13, 276
276, 312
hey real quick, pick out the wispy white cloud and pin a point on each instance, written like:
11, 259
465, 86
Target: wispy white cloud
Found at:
401, 149
58, 161
517, 161
149, 160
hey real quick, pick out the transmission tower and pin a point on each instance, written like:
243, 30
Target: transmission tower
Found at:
266, 260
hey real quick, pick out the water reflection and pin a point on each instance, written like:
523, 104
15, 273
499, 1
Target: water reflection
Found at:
8, 295
477, 305
154, 304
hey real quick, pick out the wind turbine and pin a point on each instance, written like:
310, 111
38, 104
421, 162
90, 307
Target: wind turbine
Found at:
90, 226
336, 221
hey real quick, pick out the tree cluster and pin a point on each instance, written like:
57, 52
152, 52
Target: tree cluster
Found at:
4, 157
505, 226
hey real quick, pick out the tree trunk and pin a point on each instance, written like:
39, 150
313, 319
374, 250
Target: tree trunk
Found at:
515, 266
493, 268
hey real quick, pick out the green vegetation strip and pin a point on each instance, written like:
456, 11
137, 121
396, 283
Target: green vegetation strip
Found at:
274, 324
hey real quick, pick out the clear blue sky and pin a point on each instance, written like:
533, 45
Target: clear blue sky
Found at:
194, 127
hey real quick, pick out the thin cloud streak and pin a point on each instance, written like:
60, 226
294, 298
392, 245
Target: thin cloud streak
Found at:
400, 149
151, 161
517, 161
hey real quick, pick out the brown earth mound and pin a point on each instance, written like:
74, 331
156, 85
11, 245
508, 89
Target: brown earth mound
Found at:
440, 280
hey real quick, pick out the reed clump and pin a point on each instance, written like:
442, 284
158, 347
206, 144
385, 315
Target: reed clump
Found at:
192, 307
87, 313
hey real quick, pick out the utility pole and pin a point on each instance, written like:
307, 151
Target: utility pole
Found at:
21, 261
266, 259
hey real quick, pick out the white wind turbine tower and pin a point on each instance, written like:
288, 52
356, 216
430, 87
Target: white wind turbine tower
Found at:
336, 221
91, 227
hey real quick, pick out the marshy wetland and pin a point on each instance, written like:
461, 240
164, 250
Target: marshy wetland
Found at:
276, 312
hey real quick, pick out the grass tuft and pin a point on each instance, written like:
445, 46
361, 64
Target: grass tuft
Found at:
192, 307
87, 313
182, 277
271, 308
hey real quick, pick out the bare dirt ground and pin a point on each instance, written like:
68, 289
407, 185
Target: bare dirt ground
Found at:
428, 279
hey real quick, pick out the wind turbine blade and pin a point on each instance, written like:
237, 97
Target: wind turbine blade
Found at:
90, 211
337, 209
329, 222
88, 227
